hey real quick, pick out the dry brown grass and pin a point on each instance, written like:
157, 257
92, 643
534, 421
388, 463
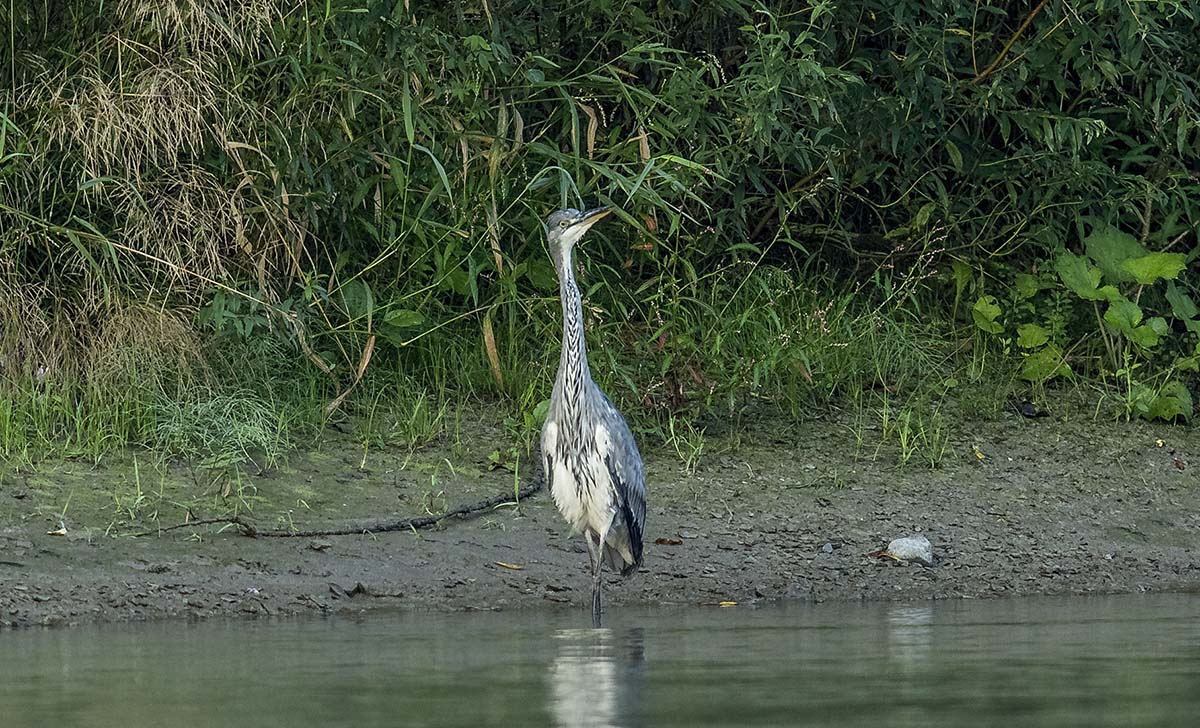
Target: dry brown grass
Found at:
184, 223
44, 337
168, 98
144, 345
34, 343
136, 136
153, 119
208, 26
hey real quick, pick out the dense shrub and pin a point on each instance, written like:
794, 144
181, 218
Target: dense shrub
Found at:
327, 172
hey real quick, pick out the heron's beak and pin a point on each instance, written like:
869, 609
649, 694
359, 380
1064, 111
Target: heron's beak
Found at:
591, 217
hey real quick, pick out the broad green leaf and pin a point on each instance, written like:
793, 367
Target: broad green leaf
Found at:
1174, 400
1182, 305
1043, 364
1140, 397
1149, 334
407, 112
458, 281
1144, 336
1159, 324
542, 275
923, 214
985, 312
1124, 315
403, 318
357, 300
1083, 279
955, 155
962, 275
1110, 248
1027, 285
1154, 267
1031, 336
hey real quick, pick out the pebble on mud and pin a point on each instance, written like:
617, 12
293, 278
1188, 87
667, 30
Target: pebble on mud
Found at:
908, 548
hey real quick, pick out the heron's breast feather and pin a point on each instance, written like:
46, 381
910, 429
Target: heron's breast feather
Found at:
580, 482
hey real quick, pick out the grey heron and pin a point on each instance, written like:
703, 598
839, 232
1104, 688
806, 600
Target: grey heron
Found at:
592, 464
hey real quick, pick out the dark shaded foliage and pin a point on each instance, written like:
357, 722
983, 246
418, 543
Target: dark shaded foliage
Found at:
385, 161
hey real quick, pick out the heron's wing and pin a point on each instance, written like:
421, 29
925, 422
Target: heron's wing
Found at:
624, 464
630, 489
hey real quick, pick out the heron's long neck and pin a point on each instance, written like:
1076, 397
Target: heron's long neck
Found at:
573, 372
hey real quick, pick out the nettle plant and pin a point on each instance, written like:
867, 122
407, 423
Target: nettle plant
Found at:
1127, 295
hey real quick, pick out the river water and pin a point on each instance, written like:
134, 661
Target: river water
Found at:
1099, 661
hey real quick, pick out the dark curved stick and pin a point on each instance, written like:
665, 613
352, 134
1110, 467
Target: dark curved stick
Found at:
412, 523
415, 522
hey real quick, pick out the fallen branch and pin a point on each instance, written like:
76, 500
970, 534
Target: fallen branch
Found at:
412, 523
465, 510
247, 529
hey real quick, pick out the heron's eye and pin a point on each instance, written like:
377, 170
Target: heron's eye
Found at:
563, 224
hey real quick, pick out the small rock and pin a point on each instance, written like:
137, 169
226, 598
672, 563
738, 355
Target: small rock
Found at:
827, 548
340, 592
909, 548
1025, 408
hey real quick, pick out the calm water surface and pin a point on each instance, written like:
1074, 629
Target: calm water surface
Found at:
1122, 661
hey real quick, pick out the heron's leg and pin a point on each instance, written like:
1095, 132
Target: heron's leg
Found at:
595, 554
597, 569
596, 611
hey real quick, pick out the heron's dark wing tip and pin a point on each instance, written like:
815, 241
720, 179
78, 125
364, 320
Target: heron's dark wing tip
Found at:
632, 504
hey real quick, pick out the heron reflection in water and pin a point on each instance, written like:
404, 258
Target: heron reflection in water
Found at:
596, 678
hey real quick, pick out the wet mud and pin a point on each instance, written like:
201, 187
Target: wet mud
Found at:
1015, 507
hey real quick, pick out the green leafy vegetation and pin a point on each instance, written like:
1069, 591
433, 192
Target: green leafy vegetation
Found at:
226, 226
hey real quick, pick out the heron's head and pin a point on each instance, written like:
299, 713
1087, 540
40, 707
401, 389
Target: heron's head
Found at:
565, 227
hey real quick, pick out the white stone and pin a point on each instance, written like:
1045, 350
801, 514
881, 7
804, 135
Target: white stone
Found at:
911, 548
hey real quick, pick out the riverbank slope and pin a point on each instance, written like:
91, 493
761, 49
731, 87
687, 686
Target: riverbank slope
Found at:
1016, 506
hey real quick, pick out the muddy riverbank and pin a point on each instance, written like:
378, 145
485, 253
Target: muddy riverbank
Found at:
1016, 506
